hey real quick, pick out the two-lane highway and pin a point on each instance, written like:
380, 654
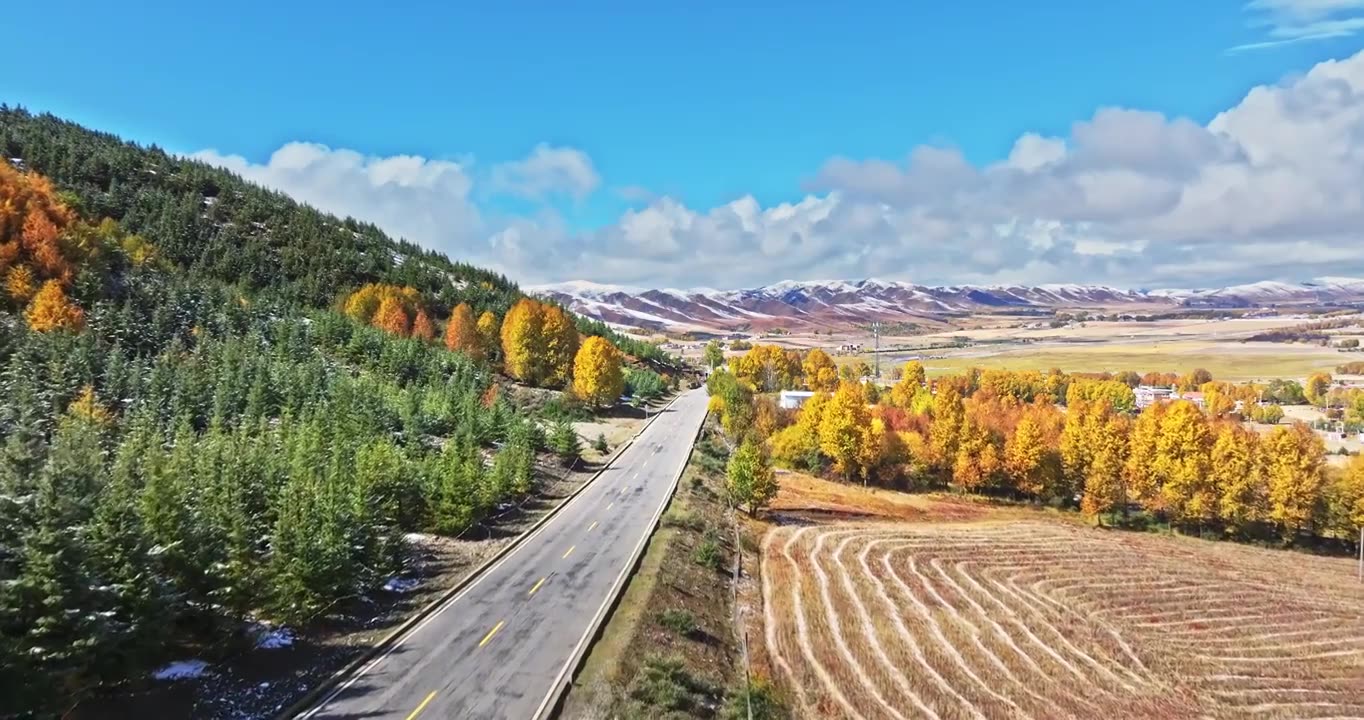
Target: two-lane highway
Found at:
496, 649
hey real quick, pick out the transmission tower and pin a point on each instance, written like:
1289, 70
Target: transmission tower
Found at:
876, 348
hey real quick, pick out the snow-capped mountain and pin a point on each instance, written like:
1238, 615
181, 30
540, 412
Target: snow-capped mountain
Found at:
792, 304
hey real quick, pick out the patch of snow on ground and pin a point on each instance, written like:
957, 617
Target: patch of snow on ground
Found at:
275, 639
416, 538
182, 670
401, 585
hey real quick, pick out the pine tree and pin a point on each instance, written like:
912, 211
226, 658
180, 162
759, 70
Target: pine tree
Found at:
565, 443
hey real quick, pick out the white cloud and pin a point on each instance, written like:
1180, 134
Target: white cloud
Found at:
546, 171
1271, 188
1294, 21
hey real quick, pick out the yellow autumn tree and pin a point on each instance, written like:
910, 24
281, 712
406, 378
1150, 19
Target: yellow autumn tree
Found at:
944, 435
561, 345
364, 304
977, 462
1025, 459
1142, 475
1183, 457
1076, 446
1295, 461
1237, 472
798, 444
488, 333
88, 407
909, 386
821, 375
523, 341
462, 335
842, 430
597, 377
33, 222
769, 368
1317, 387
390, 317
51, 310
1345, 502
19, 284
422, 329
1105, 488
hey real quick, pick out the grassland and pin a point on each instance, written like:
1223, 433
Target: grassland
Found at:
969, 612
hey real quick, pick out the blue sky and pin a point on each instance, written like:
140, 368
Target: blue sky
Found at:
699, 104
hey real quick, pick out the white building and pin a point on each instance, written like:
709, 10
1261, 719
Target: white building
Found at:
792, 399
1150, 394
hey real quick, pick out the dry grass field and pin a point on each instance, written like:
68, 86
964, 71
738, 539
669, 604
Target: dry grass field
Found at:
1045, 619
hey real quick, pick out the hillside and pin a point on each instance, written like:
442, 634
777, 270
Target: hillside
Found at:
842, 304
196, 442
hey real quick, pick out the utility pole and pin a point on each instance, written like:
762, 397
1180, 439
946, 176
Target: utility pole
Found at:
1361, 553
876, 352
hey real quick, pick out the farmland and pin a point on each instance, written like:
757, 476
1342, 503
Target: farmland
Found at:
1041, 618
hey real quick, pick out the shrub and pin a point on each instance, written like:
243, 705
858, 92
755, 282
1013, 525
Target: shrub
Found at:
666, 684
708, 553
760, 698
679, 621
600, 444
683, 519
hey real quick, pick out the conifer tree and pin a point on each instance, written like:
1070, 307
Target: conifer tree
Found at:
422, 329
51, 310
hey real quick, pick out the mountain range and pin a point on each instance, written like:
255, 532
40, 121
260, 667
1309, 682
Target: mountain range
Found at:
794, 305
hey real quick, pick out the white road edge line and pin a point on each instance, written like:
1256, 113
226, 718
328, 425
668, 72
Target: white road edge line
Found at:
399, 642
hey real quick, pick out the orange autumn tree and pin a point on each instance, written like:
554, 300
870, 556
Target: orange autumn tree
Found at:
462, 335
33, 221
51, 310
422, 329
390, 317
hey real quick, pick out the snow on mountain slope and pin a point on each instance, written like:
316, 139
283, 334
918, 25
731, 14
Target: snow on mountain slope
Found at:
841, 303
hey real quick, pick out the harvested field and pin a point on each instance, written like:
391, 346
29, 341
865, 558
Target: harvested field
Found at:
1035, 619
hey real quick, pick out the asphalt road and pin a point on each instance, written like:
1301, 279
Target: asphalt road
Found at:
496, 649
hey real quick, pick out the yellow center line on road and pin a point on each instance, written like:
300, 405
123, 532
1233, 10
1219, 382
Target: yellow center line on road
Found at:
491, 633
422, 706
538, 583
570, 552
592, 527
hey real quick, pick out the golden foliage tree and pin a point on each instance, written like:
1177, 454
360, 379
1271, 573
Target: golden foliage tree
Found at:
977, 462
769, 368
906, 391
1237, 472
488, 328
1294, 470
1317, 387
843, 429
523, 341
539, 343
597, 376
560, 343
944, 436
390, 317
1183, 464
821, 375
422, 329
462, 333
88, 407
19, 284
798, 444
1143, 479
51, 310
1346, 512
364, 304
1025, 459
1105, 488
